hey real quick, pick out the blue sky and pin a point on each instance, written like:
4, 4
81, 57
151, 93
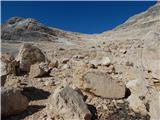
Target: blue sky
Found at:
82, 16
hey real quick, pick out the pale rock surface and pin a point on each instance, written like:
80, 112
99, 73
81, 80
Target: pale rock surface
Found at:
3, 73
138, 88
101, 84
154, 110
103, 61
9, 64
151, 54
68, 104
13, 102
39, 70
29, 55
137, 105
53, 64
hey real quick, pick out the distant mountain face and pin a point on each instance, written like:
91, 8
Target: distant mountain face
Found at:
138, 25
20, 29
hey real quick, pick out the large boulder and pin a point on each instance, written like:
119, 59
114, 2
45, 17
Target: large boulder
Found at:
39, 70
101, 84
12, 101
68, 104
29, 55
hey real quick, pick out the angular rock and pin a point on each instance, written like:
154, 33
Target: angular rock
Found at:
29, 55
103, 85
39, 70
103, 61
69, 105
13, 102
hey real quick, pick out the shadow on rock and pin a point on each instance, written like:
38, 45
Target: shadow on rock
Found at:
30, 110
93, 110
128, 93
33, 93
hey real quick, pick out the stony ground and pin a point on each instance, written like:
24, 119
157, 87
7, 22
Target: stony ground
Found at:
39, 90
111, 76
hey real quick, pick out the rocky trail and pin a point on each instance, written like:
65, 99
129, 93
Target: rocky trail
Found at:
51, 74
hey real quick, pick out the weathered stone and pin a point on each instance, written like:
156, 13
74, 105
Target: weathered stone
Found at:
154, 108
3, 73
11, 65
103, 85
7, 57
66, 66
103, 61
69, 105
29, 55
13, 102
137, 105
65, 60
138, 89
53, 64
39, 70
151, 55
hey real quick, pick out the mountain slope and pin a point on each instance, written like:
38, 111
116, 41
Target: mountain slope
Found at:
137, 26
20, 29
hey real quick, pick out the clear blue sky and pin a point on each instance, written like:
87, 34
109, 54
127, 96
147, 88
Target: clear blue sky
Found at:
84, 17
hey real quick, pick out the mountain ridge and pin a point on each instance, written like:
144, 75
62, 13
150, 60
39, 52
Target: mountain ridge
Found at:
28, 29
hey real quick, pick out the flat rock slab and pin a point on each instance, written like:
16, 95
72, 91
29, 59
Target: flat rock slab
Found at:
68, 104
101, 84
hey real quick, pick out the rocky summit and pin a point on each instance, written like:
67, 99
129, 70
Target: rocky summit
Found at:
51, 74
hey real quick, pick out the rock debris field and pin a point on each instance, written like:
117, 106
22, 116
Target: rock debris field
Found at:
51, 74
